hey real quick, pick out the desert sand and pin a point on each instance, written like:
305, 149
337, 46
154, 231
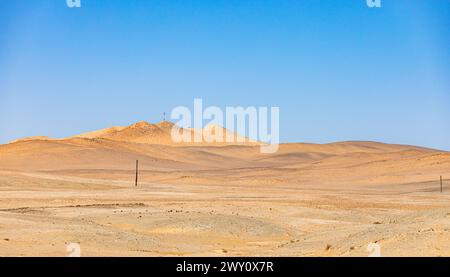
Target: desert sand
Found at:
219, 200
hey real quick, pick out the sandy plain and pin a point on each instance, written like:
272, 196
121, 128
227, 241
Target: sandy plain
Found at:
220, 200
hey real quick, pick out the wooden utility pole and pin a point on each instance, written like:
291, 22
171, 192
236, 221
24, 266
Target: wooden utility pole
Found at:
137, 171
441, 184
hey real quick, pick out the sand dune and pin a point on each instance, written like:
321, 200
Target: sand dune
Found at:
219, 199
144, 132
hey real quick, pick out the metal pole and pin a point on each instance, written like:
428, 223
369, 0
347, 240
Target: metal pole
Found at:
441, 184
137, 168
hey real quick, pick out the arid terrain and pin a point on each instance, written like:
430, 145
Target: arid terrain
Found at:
220, 199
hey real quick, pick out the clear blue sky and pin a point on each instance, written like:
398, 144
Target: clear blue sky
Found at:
337, 69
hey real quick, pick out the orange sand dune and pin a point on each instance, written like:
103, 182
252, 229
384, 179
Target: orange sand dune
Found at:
144, 132
118, 148
219, 199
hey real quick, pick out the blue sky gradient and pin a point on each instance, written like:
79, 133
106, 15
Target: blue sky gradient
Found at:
338, 70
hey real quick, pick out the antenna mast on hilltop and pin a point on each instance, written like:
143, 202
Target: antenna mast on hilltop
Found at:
164, 116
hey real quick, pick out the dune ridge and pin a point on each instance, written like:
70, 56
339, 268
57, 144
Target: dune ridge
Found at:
214, 199
160, 133
117, 148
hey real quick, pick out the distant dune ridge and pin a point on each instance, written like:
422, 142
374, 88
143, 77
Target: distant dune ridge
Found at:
144, 132
219, 199
118, 147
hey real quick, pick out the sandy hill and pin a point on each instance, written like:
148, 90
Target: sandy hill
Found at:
218, 199
117, 148
144, 132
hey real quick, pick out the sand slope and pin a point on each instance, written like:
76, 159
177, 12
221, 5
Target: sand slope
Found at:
144, 132
220, 199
